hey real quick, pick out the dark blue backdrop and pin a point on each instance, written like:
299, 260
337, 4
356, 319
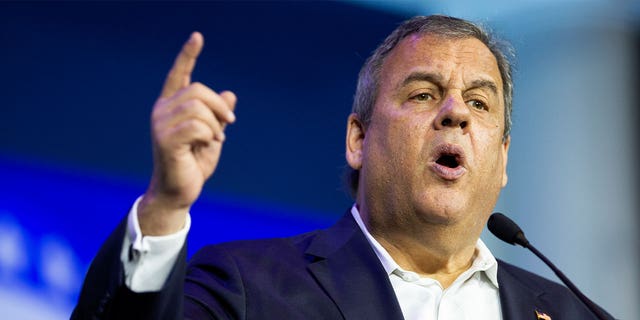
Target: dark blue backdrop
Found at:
78, 82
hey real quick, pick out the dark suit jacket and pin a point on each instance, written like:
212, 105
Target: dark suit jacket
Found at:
326, 274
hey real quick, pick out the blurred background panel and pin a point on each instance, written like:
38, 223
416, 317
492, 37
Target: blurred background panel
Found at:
79, 79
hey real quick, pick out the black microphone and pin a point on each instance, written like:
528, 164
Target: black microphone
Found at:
508, 231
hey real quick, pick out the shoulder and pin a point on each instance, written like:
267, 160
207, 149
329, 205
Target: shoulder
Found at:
229, 274
534, 283
519, 284
298, 249
529, 279
256, 252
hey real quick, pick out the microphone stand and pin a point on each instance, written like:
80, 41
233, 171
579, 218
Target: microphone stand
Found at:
508, 231
568, 283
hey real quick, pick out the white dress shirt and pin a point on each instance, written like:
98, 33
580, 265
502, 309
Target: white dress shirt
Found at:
148, 260
473, 295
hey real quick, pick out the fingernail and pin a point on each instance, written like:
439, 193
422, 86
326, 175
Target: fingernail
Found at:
231, 116
221, 136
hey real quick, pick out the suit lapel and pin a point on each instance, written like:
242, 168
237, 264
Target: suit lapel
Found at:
346, 267
518, 301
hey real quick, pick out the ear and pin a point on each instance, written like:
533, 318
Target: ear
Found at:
505, 156
355, 141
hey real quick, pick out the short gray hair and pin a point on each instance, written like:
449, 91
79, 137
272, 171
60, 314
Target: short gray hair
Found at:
444, 26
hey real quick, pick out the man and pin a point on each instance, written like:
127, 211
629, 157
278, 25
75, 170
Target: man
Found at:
428, 141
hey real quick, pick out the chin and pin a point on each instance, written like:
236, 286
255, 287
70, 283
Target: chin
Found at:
442, 208
442, 215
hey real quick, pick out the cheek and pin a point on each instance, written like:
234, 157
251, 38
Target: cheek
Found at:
409, 153
396, 145
487, 151
494, 162
406, 137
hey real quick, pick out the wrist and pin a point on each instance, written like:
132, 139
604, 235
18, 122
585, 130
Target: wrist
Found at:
159, 217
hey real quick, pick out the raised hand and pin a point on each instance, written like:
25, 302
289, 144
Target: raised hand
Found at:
187, 131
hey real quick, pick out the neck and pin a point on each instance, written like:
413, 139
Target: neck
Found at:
438, 251
443, 266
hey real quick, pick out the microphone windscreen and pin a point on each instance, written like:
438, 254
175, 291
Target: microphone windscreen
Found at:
506, 230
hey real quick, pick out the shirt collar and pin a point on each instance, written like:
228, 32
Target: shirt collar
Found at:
483, 262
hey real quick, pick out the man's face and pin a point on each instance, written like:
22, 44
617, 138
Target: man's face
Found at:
433, 149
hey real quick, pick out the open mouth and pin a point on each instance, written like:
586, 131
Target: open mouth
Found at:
448, 160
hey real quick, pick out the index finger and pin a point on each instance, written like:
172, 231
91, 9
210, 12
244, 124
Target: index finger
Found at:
180, 74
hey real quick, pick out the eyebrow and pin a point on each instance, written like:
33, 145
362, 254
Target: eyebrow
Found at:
423, 76
437, 80
478, 84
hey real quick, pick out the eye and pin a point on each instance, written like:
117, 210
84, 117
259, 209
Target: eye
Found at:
422, 97
477, 104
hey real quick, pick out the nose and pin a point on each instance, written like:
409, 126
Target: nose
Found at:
453, 113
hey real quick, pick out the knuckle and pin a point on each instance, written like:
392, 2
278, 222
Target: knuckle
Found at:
187, 107
215, 125
157, 115
191, 125
197, 86
189, 104
184, 129
228, 96
160, 105
199, 89
197, 129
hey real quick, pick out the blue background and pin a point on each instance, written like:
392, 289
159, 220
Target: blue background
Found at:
78, 80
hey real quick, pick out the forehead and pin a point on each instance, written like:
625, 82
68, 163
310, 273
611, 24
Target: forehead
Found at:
466, 59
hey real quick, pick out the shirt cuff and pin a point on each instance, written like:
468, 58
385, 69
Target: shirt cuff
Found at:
148, 260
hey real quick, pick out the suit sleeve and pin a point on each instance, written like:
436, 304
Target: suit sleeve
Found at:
214, 286
104, 294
